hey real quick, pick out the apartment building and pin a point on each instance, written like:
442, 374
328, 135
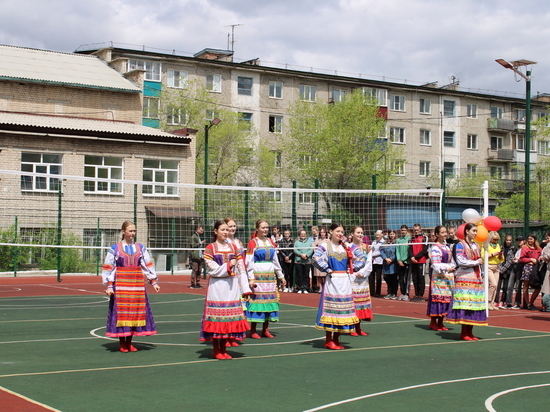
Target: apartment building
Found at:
440, 128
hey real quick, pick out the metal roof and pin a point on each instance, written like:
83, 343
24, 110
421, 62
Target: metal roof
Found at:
67, 69
81, 127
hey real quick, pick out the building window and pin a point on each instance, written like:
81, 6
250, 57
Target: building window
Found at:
397, 135
425, 106
306, 160
177, 116
151, 107
397, 103
214, 83
544, 147
449, 169
307, 93
425, 137
425, 168
101, 167
380, 95
449, 139
497, 112
520, 144
305, 198
211, 115
276, 90
177, 79
520, 115
246, 117
244, 85
398, 167
277, 195
45, 163
497, 143
497, 172
338, 95
278, 160
448, 108
472, 142
152, 69
472, 170
471, 111
275, 124
162, 173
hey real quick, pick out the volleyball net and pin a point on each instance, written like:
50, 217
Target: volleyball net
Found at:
66, 223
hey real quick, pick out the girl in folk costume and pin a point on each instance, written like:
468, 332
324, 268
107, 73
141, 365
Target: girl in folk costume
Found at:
338, 260
129, 312
468, 304
262, 265
360, 283
223, 317
441, 282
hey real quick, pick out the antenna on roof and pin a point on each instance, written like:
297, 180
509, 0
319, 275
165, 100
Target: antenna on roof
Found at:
232, 36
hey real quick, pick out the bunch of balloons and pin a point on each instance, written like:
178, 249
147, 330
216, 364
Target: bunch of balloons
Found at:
490, 223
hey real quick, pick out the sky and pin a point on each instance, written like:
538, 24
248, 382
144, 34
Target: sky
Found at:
402, 41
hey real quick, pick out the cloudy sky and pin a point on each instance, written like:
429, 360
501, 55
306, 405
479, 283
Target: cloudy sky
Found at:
417, 41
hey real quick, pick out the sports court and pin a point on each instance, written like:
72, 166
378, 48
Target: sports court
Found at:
54, 357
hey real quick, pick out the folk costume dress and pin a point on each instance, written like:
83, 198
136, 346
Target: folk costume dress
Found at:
468, 303
129, 310
336, 311
360, 287
441, 283
262, 265
223, 313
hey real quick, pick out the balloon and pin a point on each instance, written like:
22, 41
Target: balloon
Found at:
460, 231
482, 234
492, 223
471, 216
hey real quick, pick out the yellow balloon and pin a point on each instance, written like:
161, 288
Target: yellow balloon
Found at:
482, 234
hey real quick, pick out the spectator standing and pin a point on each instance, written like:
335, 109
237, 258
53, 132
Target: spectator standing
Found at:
514, 277
196, 257
529, 256
389, 265
375, 278
495, 257
402, 257
286, 258
303, 250
418, 251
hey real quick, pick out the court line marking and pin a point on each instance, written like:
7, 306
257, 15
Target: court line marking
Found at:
423, 385
11, 290
319, 352
489, 401
29, 400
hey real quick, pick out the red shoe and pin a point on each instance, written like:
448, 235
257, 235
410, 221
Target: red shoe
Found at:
234, 343
123, 348
472, 337
219, 356
331, 345
227, 343
465, 337
441, 327
433, 326
362, 333
227, 356
255, 336
266, 334
354, 334
132, 348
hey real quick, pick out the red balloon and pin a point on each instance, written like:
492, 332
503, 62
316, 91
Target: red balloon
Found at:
460, 231
492, 223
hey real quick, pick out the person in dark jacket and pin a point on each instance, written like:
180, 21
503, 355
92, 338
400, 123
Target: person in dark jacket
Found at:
418, 250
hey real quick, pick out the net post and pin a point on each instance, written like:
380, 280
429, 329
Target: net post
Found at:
59, 206
294, 215
444, 198
135, 208
15, 248
97, 251
172, 243
316, 204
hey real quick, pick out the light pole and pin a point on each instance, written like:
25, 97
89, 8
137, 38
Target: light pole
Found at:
207, 127
527, 178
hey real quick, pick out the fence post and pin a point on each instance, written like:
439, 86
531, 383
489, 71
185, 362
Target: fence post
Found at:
59, 204
135, 210
172, 243
294, 216
15, 248
97, 251
247, 212
444, 199
374, 205
316, 203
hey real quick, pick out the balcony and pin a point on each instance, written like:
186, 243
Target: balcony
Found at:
503, 125
502, 155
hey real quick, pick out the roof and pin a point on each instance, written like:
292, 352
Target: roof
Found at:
67, 69
84, 127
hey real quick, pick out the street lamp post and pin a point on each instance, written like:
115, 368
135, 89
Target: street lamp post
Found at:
207, 127
527, 178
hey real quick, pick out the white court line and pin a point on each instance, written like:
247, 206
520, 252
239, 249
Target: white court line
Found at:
424, 385
29, 399
45, 340
489, 401
11, 290
75, 289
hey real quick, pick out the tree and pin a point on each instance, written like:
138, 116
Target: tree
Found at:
339, 143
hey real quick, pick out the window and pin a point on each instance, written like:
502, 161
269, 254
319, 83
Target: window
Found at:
305, 198
449, 169
338, 95
520, 144
176, 116
211, 114
162, 173
101, 167
276, 90
397, 135
497, 172
448, 108
496, 142
472, 142
497, 112
48, 164
425, 137
425, 106
151, 107
520, 115
398, 167
397, 103
306, 160
275, 124
177, 79
246, 117
472, 170
425, 168
471, 111
245, 156
544, 147
307, 93
214, 83
380, 95
152, 69
277, 195
278, 160
244, 85
449, 139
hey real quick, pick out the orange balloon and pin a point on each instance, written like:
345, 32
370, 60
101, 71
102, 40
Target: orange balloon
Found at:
482, 234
